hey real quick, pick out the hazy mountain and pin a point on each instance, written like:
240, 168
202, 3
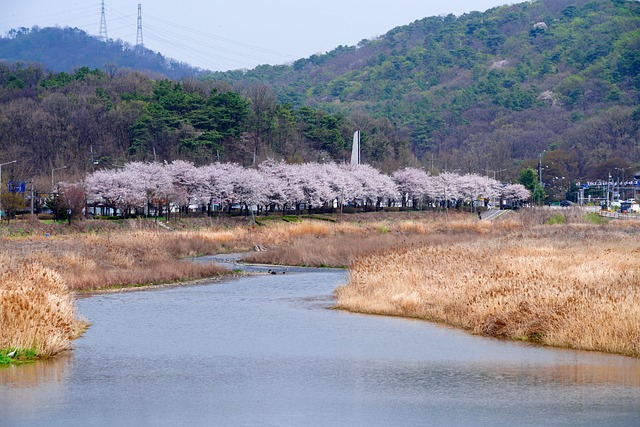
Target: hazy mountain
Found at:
66, 49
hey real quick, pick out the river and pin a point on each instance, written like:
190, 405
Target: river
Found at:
267, 350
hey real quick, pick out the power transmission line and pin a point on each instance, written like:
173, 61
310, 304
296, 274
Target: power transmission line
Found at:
103, 23
139, 42
200, 46
208, 36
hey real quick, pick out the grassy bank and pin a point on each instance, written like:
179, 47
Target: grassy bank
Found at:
17, 356
37, 313
40, 272
127, 257
574, 286
570, 285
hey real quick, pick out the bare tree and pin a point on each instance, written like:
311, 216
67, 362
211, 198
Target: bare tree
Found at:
74, 198
263, 105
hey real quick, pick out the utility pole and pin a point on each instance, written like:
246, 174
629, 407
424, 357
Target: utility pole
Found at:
32, 195
53, 189
494, 172
103, 23
139, 41
540, 169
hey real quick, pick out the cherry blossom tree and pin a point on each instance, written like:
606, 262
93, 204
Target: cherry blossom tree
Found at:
248, 187
106, 187
217, 185
281, 184
493, 189
372, 186
277, 184
515, 193
475, 187
414, 184
148, 182
187, 183
313, 182
447, 188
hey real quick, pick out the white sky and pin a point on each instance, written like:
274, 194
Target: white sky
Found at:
227, 35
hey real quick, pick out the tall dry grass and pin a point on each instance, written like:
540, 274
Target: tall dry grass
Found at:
575, 287
142, 255
128, 257
37, 311
513, 278
315, 243
38, 275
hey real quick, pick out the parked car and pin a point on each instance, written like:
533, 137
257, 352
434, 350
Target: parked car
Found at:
566, 203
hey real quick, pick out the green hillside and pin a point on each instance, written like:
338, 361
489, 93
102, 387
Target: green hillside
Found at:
487, 91
553, 83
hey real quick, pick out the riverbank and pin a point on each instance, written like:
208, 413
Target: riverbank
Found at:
44, 265
511, 268
37, 314
43, 271
575, 286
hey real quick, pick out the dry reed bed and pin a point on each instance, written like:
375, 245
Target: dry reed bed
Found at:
148, 255
37, 311
38, 275
575, 286
318, 243
471, 249
134, 257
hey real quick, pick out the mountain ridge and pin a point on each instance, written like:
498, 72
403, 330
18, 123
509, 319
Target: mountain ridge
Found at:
549, 81
447, 81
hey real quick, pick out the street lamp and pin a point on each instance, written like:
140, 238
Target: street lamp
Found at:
494, 172
540, 167
1, 165
622, 187
52, 170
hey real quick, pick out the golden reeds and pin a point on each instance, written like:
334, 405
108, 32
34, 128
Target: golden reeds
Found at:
571, 287
128, 257
37, 311
37, 275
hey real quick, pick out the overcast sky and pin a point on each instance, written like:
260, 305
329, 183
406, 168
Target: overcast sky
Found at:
225, 35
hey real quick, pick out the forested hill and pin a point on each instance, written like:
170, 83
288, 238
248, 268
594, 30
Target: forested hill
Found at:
549, 81
82, 121
66, 49
487, 91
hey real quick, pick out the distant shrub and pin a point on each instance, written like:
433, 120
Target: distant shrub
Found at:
317, 218
383, 229
350, 210
557, 219
594, 218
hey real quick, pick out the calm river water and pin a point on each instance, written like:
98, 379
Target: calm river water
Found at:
267, 351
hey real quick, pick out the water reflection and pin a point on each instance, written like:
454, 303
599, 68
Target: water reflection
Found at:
34, 386
625, 374
33, 374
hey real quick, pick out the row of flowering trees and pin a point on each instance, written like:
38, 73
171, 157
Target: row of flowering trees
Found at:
420, 187
139, 187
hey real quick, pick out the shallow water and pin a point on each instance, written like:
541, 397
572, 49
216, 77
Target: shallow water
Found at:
267, 350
